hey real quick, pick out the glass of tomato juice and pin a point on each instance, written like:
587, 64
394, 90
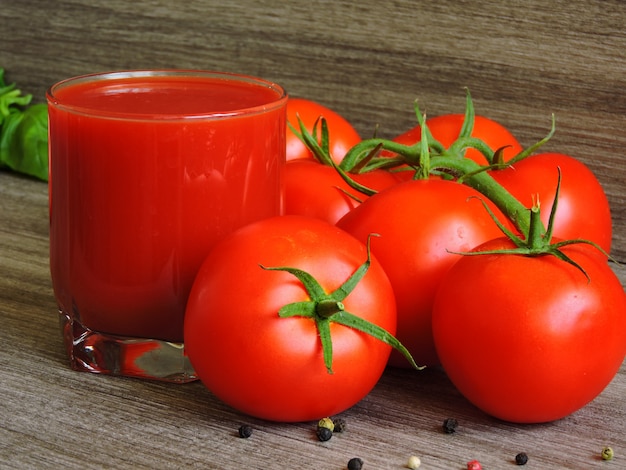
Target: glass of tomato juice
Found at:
148, 169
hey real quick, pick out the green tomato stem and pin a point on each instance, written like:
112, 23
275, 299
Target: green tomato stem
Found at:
476, 176
535, 231
326, 308
354, 156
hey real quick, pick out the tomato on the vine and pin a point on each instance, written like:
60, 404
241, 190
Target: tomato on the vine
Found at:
342, 135
273, 367
530, 339
583, 209
446, 128
420, 223
316, 190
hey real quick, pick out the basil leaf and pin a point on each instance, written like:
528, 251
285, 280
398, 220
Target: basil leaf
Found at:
23, 132
24, 141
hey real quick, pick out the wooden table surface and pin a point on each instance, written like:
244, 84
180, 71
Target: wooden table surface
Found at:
52, 417
368, 60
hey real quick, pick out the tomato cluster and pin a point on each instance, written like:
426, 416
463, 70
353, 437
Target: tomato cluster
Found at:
483, 257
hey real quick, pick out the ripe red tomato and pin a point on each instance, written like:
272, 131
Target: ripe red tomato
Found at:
272, 367
341, 134
530, 339
418, 222
316, 190
446, 128
583, 209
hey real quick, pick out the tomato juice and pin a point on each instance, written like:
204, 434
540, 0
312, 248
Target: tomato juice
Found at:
147, 171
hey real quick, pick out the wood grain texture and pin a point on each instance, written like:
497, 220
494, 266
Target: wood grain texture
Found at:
368, 60
52, 417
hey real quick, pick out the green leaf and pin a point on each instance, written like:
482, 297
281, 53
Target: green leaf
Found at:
23, 132
24, 141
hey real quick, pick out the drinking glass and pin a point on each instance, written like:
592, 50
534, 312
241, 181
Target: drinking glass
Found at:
148, 170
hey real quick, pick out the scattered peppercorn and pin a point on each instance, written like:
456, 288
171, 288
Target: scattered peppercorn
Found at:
474, 465
324, 434
326, 423
245, 431
521, 458
450, 425
414, 462
607, 453
355, 464
340, 425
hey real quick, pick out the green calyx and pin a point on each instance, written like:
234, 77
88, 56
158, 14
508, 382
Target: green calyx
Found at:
538, 241
321, 152
324, 308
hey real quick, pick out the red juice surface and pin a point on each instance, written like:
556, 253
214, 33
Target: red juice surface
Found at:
146, 174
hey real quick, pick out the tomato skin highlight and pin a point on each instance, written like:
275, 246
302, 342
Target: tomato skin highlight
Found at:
315, 190
418, 221
583, 208
271, 367
530, 340
341, 134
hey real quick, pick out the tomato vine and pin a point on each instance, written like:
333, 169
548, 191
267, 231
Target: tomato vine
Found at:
429, 157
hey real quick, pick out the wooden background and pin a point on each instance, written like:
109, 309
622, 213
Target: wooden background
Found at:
369, 60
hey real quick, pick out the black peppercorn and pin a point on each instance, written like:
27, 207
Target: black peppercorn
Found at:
355, 464
324, 434
340, 424
521, 458
245, 431
450, 425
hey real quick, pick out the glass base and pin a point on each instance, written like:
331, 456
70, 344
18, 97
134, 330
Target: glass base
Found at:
90, 351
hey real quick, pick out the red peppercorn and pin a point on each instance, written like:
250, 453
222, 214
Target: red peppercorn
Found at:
474, 465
